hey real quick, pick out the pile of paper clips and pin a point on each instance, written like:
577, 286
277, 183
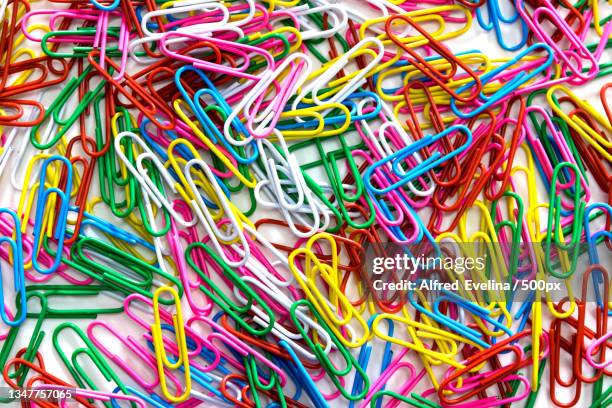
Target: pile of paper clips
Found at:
198, 182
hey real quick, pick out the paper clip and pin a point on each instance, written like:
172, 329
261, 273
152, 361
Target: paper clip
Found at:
394, 160
437, 15
243, 52
223, 301
517, 137
600, 277
496, 18
141, 276
593, 238
441, 79
139, 353
599, 343
51, 214
212, 8
476, 384
162, 359
304, 378
335, 374
58, 107
394, 367
47, 292
326, 74
208, 125
83, 185
16, 106
600, 142
576, 349
42, 375
159, 114
82, 376
547, 161
16, 258
299, 68
574, 54
519, 79
339, 314
283, 166
36, 336
469, 185
569, 261
138, 171
233, 221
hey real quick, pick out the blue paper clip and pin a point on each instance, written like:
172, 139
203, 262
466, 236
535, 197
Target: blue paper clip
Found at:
364, 361
285, 365
183, 151
473, 308
16, 245
524, 312
102, 7
360, 96
496, 18
304, 378
209, 127
111, 229
339, 119
459, 328
592, 240
61, 216
423, 167
509, 86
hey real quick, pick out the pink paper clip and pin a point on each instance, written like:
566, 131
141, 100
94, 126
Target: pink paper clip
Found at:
571, 58
242, 51
140, 355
